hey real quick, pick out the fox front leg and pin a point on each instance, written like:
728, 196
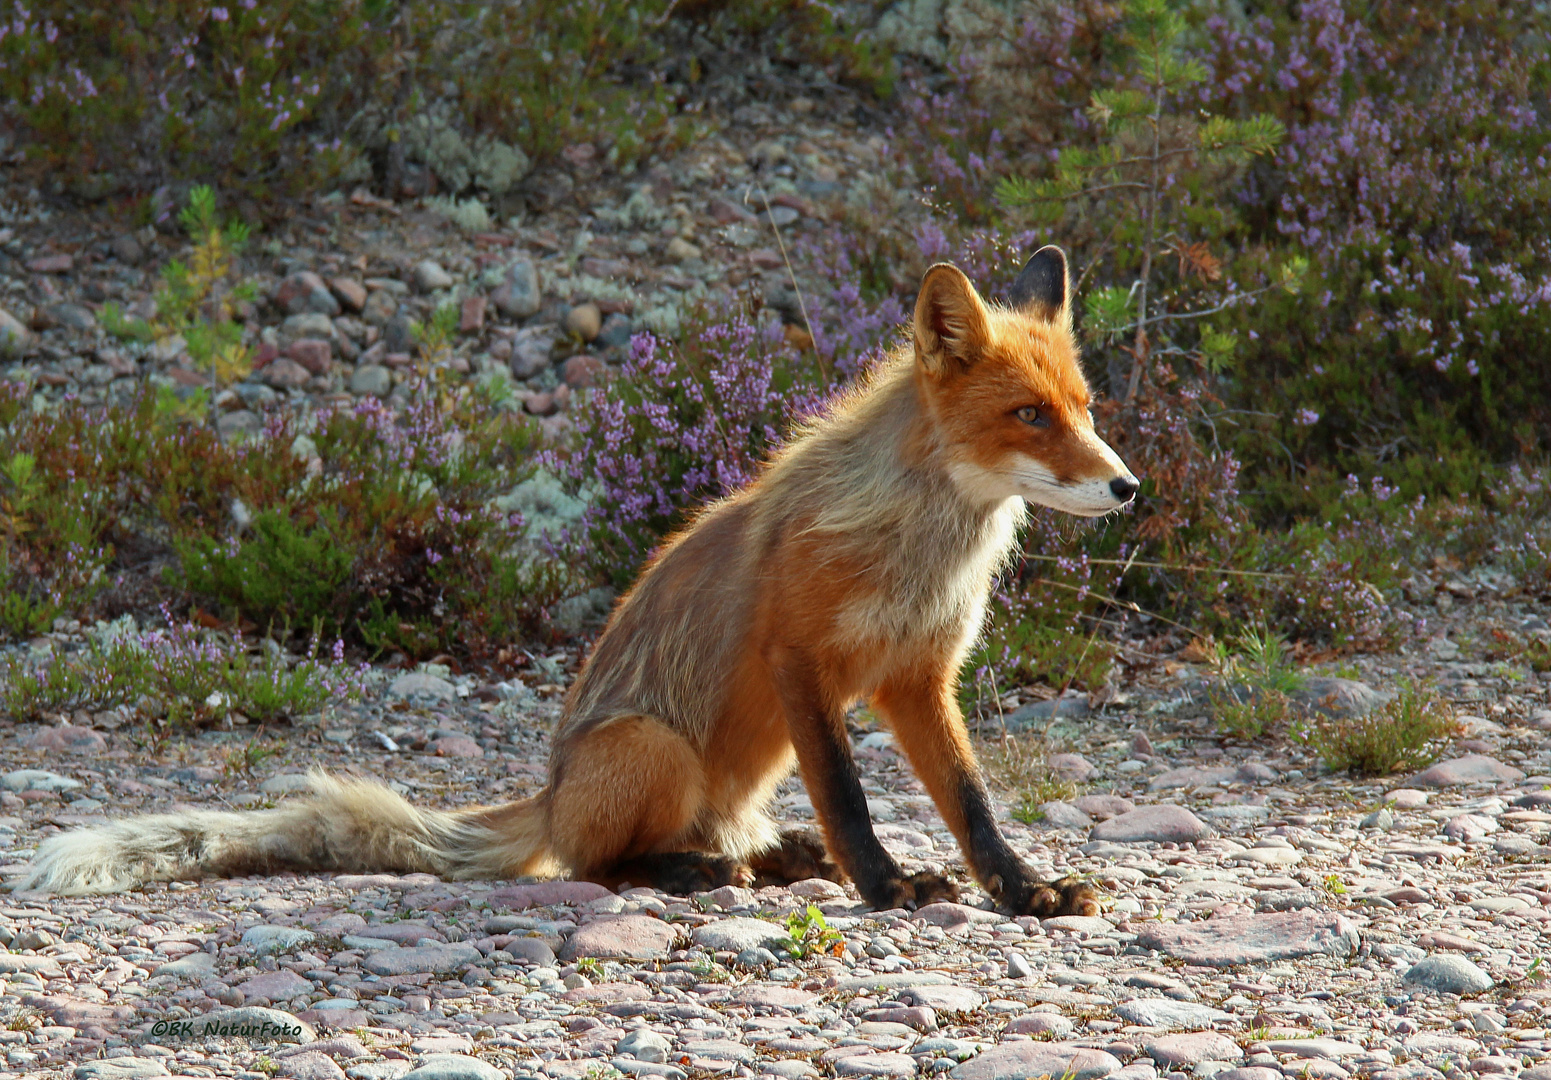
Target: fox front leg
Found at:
828, 768
923, 710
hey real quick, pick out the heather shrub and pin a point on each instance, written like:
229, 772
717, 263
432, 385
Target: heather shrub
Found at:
390, 535
377, 527
682, 423
182, 675
1414, 179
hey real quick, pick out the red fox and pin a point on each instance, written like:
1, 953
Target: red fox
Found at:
857, 566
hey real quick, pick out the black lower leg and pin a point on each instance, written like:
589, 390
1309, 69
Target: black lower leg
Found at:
1004, 875
843, 806
680, 872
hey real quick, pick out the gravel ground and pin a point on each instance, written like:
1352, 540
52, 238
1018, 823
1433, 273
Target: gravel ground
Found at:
1267, 921
549, 295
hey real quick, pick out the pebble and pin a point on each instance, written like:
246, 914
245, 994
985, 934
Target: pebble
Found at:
121, 1068
1029, 1060
585, 321
429, 276
371, 380
644, 1044
638, 936
37, 780
1313, 1048
547, 894
1381, 819
735, 935
1448, 973
270, 940
1103, 807
1164, 823
69, 739
310, 1065
256, 1023
1192, 1048
436, 959
944, 999
16, 340
518, 294
454, 1067
283, 373
1167, 1013
1072, 767
419, 685
1470, 769
1253, 939
1338, 697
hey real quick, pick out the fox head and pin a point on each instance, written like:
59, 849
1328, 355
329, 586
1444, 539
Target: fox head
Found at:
1008, 396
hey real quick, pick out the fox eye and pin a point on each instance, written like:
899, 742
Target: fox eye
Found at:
1033, 417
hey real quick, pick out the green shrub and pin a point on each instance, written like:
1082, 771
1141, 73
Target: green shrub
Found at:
375, 526
1406, 734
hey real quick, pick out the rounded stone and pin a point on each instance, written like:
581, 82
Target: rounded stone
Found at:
454, 1067
533, 950
69, 738
1168, 1013
585, 321
437, 959
1189, 1049
371, 380
429, 276
615, 936
644, 1044
37, 780
1470, 769
735, 935
258, 1025
309, 1065
1026, 1060
283, 373
272, 940
1164, 823
1448, 973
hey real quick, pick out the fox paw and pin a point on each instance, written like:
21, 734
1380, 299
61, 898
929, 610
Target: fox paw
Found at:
915, 891
1066, 896
684, 872
802, 855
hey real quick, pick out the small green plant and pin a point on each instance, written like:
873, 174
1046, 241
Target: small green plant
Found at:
103, 677
590, 966
1537, 654
1263, 660
1405, 734
244, 760
1334, 885
808, 935
1017, 764
1261, 663
26, 1019
266, 1065
197, 300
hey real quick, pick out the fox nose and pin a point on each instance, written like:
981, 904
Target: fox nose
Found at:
1123, 487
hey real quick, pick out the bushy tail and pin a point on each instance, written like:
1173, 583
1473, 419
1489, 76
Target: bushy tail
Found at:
355, 826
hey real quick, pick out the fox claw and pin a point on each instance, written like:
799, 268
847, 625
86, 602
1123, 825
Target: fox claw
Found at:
916, 891
1067, 896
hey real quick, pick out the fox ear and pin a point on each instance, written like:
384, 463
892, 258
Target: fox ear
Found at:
1042, 289
950, 320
